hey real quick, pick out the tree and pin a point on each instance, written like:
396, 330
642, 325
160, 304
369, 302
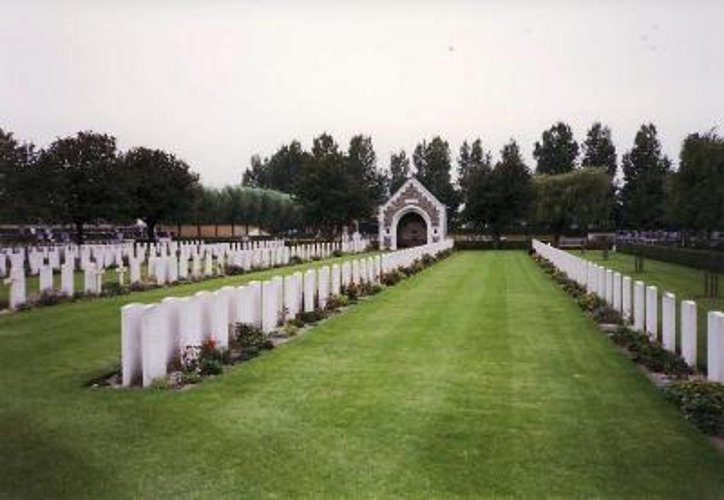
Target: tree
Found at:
399, 170
361, 163
581, 198
699, 183
280, 172
557, 151
471, 160
463, 167
325, 189
16, 184
432, 164
158, 186
499, 197
76, 175
598, 149
645, 171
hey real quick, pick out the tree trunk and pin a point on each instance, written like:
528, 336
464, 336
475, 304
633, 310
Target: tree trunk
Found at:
151, 231
79, 236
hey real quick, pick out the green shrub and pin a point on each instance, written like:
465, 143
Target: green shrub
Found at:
352, 292
698, 259
290, 329
606, 314
232, 270
4, 304
49, 298
335, 302
393, 277
428, 260
337, 253
113, 290
701, 402
461, 244
211, 358
250, 339
312, 316
650, 354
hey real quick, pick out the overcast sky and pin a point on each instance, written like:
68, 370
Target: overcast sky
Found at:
217, 81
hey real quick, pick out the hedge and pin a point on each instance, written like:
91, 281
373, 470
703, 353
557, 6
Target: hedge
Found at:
698, 259
493, 245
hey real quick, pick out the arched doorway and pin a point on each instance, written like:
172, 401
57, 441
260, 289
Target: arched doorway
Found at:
411, 230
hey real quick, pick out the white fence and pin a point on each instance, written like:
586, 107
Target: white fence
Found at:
164, 262
153, 335
640, 308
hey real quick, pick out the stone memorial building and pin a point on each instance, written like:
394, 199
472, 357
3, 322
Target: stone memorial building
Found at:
411, 217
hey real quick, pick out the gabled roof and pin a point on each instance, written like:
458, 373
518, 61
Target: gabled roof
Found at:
420, 187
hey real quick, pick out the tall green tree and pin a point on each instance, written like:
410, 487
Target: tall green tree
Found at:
699, 183
77, 179
16, 182
598, 149
645, 172
158, 186
399, 170
432, 164
471, 158
557, 151
581, 198
280, 172
499, 197
327, 192
361, 162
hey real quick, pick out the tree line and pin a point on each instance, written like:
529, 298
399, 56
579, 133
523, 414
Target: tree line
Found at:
571, 187
84, 179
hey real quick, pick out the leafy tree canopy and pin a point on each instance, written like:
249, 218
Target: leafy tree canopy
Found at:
557, 151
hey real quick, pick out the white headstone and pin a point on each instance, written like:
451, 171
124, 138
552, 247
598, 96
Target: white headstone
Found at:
617, 292
652, 312
715, 346
172, 269
46, 278
639, 309
154, 348
310, 278
131, 369
336, 279
17, 287
668, 321
323, 288
221, 318
135, 267
205, 302
291, 304
67, 279
626, 308
688, 332
189, 332
269, 297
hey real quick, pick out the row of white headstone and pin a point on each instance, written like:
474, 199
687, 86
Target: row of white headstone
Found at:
186, 263
152, 336
639, 306
113, 254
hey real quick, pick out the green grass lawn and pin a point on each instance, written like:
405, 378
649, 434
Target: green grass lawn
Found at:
687, 283
476, 377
